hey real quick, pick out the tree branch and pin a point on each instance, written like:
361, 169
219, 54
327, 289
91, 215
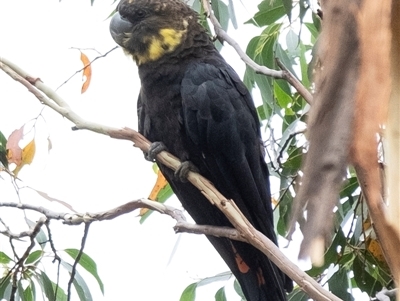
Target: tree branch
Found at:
19, 265
78, 257
284, 74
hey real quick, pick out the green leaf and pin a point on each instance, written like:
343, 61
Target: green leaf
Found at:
41, 237
282, 97
265, 51
232, 14
29, 293
339, 283
3, 141
4, 259
5, 288
88, 264
238, 289
285, 60
221, 12
20, 292
363, 279
61, 295
46, 285
189, 294
220, 295
349, 188
293, 163
34, 257
261, 112
162, 197
3, 150
292, 41
33, 287
268, 12
304, 6
304, 66
261, 49
316, 21
313, 30
79, 283
287, 4
219, 277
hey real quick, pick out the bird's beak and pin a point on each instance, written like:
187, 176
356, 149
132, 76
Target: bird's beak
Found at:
119, 27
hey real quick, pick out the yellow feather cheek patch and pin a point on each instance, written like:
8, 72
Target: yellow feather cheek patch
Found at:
168, 40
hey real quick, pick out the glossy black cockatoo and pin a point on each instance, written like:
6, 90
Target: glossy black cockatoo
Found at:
195, 103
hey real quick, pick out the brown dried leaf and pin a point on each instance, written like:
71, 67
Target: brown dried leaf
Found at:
51, 199
49, 144
375, 249
87, 72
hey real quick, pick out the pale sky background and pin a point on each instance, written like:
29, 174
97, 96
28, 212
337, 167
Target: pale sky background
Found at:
93, 172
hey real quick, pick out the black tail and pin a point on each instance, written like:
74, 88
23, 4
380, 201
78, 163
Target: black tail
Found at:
259, 278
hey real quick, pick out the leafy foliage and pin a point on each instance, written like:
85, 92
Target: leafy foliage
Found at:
27, 276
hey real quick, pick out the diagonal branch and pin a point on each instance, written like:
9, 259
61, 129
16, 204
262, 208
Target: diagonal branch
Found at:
283, 74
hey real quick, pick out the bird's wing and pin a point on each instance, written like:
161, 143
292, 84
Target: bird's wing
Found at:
222, 130
220, 119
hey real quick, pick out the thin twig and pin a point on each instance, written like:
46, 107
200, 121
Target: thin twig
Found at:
56, 257
90, 63
19, 266
78, 257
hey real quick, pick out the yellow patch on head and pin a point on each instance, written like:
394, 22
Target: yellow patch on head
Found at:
166, 42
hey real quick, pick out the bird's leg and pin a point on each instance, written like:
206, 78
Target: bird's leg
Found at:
183, 170
154, 149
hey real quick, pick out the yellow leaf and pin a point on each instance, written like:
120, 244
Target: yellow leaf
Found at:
87, 72
374, 248
367, 223
28, 152
160, 184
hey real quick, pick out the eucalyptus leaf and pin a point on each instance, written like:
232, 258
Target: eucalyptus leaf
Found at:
79, 283
41, 237
88, 264
34, 257
4, 259
268, 13
189, 294
220, 295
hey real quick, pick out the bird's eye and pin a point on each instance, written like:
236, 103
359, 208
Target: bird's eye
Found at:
140, 13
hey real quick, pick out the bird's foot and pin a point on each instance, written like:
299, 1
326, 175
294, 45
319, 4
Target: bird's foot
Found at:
183, 170
154, 150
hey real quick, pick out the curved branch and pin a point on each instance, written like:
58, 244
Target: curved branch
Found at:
77, 218
283, 74
228, 207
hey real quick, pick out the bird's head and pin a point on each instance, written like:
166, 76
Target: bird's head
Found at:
149, 29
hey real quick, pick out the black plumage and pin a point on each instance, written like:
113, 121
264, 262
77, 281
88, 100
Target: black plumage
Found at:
195, 103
